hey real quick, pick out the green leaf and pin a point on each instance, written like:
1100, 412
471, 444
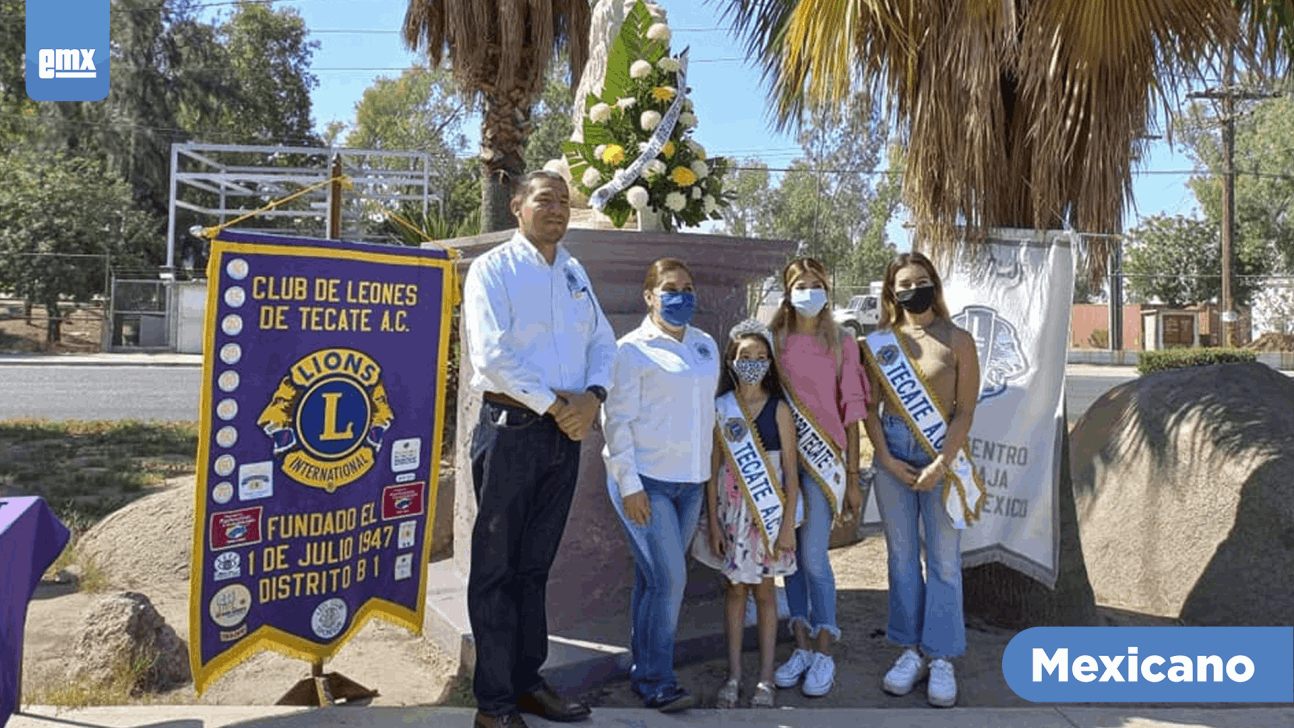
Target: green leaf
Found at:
629, 46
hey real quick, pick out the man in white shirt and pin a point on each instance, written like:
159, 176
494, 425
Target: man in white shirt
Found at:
541, 353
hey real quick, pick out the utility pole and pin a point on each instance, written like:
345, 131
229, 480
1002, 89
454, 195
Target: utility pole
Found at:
1228, 94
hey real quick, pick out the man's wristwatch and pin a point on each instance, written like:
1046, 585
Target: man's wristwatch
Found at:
599, 392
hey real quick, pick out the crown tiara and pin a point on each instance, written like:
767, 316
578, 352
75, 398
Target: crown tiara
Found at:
752, 326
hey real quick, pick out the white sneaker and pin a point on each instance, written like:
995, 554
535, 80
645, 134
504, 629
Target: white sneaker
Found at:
942, 690
820, 677
789, 674
907, 670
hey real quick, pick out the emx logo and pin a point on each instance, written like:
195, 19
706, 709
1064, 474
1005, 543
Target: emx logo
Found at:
67, 63
67, 50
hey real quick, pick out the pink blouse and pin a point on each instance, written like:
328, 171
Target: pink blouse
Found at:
811, 369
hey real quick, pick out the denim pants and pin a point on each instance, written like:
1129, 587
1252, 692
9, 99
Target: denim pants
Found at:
926, 613
660, 576
524, 472
811, 590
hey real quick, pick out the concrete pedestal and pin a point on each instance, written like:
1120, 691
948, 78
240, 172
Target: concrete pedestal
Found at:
592, 577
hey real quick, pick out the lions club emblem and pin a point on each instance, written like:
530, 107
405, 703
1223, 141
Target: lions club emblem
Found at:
1001, 356
734, 429
327, 418
888, 354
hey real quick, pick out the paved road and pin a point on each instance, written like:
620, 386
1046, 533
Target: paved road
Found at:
60, 392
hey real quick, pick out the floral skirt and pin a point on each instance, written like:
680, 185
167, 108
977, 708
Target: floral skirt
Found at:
744, 560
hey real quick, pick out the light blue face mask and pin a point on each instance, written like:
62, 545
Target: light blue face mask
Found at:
751, 371
808, 302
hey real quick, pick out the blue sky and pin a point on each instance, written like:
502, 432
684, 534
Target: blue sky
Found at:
360, 42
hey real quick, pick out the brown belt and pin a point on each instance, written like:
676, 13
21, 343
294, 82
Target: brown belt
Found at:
503, 399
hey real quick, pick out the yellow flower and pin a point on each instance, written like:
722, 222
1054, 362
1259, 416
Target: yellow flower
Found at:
613, 154
662, 93
682, 176
668, 150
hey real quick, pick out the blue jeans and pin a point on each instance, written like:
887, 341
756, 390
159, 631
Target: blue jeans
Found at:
811, 590
925, 612
660, 567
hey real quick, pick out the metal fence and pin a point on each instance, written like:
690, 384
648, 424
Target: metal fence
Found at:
139, 315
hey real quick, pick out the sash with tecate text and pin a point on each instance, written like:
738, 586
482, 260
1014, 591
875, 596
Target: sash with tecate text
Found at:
750, 466
963, 493
819, 454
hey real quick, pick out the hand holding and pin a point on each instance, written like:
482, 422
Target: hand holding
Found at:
785, 543
638, 508
906, 474
716, 537
853, 496
931, 476
576, 419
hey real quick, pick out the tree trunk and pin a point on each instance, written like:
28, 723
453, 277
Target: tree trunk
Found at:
1005, 597
505, 128
53, 322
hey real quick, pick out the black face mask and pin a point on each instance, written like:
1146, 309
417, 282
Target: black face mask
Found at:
916, 300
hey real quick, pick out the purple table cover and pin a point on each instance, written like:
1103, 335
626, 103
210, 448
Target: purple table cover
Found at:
31, 538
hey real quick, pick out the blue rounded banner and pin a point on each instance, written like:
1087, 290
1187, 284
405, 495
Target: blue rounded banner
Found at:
1152, 664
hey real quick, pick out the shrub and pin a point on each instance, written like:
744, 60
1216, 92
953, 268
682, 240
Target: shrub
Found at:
1158, 361
1099, 339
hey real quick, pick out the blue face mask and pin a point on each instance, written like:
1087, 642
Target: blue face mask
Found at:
676, 307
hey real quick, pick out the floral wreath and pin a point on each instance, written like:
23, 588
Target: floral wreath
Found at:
638, 152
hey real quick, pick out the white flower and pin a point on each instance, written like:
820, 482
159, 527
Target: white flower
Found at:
642, 147
687, 119
560, 166
598, 150
591, 178
696, 193
700, 169
626, 103
637, 196
668, 65
710, 204
600, 113
697, 149
639, 69
675, 201
654, 168
659, 31
650, 120
687, 104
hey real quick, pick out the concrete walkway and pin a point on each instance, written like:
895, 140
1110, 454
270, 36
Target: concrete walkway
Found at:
202, 716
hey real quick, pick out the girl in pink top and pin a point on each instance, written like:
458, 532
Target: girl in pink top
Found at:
824, 377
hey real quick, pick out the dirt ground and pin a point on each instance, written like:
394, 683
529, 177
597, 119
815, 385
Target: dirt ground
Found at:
81, 332
409, 670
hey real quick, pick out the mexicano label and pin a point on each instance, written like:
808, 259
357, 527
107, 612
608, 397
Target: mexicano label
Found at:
963, 492
327, 417
751, 467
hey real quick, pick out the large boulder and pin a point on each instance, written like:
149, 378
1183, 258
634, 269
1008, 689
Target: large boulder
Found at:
124, 640
146, 542
1184, 495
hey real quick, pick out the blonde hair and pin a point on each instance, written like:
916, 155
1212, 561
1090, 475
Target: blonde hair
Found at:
892, 314
784, 318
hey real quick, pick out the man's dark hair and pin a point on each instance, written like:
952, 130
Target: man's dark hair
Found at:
523, 187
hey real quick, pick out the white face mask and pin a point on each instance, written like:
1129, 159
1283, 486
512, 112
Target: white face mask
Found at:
808, 302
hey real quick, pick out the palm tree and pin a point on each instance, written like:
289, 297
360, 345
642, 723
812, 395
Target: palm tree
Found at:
499, 50
1017, 113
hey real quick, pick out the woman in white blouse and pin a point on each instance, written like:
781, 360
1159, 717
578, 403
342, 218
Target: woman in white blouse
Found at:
659, 425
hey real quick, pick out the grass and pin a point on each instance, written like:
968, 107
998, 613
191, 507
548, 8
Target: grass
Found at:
85, 470
121, 688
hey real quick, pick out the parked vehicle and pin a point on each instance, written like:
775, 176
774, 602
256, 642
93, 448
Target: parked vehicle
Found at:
863, 312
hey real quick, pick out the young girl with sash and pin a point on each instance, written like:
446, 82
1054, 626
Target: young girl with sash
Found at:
827, 391
749, 533
928, 371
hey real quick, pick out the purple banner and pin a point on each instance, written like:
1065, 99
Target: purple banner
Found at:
323, 379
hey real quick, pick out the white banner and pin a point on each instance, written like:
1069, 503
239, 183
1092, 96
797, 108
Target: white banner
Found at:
1014, 295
